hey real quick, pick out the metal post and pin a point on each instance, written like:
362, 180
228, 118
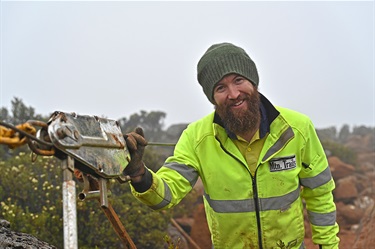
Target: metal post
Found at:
69, 205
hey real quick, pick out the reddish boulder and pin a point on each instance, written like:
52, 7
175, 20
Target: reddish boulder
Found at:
350, 213
366, 237
346, 189
339, 169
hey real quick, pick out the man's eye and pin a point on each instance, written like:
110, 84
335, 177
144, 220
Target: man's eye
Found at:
239, 80
219, 89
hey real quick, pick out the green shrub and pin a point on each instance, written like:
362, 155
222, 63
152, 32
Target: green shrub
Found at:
335, 149
31, 194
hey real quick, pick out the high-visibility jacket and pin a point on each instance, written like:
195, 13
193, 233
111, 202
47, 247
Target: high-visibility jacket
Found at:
260, 211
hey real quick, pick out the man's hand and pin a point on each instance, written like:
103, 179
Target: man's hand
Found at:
136, 144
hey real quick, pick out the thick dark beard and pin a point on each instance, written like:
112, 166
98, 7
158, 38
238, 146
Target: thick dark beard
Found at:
244, 121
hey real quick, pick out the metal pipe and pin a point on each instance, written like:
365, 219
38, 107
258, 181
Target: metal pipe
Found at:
89, 195
69, 205
103, 192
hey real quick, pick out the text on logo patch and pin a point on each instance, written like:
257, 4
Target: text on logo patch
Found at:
283, 163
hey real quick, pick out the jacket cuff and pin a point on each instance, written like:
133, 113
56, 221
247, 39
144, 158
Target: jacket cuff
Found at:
144, 184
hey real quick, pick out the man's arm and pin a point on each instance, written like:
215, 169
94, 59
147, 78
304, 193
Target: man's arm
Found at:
318, 185
170, 184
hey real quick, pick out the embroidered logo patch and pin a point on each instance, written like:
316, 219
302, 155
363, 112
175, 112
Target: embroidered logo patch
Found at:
283, 163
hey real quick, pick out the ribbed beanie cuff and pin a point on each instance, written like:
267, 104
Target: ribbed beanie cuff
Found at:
223, 59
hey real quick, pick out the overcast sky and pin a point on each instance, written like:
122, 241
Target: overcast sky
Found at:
115, 59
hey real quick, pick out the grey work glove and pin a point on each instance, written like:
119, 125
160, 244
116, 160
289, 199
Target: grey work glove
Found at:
136, 144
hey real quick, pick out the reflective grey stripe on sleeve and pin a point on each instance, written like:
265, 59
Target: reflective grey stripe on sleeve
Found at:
187, 172
247, 205
166, 200
326, 219
318, 180
288, 134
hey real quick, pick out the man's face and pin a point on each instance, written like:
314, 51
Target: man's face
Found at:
237, 103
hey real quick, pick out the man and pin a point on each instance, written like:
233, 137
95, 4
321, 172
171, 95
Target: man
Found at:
257, 163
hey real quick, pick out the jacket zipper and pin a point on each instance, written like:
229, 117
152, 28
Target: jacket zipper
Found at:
257, 209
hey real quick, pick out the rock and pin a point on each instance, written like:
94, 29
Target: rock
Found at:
350, 213
367, 157
366, 236
4, 223
177, 239
346, 189
339, 169
10, 239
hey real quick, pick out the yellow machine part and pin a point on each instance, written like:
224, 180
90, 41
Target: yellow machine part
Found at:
13, 138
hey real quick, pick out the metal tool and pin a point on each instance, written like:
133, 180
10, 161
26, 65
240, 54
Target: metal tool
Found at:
96, 147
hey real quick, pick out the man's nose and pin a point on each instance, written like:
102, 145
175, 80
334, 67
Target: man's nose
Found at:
233, 92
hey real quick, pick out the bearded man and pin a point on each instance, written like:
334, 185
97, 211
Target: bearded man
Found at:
259, 164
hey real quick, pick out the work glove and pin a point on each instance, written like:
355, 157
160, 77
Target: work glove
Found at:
136, 144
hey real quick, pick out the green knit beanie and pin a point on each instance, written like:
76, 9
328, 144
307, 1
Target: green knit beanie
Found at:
220, 60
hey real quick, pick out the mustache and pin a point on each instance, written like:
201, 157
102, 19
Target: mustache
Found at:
241, 97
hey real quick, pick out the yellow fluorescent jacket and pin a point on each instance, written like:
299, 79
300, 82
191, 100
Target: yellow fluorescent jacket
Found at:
264, 211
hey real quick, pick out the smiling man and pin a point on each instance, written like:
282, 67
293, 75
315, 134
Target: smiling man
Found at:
257, 162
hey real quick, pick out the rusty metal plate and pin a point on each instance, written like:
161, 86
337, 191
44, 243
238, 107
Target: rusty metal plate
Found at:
97, 143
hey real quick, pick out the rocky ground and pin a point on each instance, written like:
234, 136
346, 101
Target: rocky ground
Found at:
10, 239
355, 199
